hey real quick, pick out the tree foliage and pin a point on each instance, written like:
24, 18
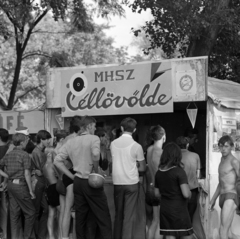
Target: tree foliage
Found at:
196, 28
19, 18
53, 45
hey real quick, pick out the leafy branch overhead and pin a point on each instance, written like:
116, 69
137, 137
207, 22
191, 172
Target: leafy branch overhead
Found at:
19, 18
196, 28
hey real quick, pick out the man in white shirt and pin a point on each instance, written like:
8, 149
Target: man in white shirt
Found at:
127, 161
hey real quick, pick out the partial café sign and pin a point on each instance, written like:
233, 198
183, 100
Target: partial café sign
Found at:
11, 120
111, 90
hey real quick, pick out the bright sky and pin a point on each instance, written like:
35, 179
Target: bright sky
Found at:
121, 27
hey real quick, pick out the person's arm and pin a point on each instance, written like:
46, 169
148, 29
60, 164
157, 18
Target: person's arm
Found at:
141, 160
141, 166
183, 183
157, 193
185, 190
156, 189
2, 173
95, 148
59, 161
27, 176
198, 167
214, 198
36, 159
3, 185
235, 165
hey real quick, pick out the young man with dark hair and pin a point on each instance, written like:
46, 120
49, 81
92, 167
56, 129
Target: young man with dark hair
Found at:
228, 171
39, 159
84, 152
192, 135
127, 160
17, 164
191, 162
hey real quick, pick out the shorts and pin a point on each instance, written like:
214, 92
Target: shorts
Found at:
66, 180
52, 195
223, 197
151, 199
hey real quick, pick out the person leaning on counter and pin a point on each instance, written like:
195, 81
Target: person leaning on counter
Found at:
84, 152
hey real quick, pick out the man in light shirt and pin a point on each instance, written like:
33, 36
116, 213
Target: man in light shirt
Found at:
127, 161
84, 152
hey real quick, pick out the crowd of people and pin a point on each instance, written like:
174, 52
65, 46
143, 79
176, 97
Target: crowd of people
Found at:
48, 184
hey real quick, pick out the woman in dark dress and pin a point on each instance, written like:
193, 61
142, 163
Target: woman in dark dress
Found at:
171, 183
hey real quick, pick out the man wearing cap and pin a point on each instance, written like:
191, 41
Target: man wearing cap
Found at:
191, 162
17, 164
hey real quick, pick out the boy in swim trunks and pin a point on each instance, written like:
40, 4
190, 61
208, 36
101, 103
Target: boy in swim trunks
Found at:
53, 199
228, 171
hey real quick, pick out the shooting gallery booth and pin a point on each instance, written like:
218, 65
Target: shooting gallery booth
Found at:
172, 93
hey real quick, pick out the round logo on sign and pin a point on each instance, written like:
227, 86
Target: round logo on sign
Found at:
186, 83
78, 84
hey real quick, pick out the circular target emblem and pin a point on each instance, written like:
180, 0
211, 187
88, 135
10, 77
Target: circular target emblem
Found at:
186, 82
78, 84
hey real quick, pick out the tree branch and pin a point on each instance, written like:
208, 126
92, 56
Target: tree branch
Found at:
26, 92
36, 53
32, 27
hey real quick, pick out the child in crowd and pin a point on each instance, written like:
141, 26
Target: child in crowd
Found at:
54, 198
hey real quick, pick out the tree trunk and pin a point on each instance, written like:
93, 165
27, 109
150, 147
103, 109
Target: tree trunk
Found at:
15, 78
203, 45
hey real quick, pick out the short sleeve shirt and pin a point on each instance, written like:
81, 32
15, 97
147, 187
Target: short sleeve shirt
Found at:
168, 182
16, 162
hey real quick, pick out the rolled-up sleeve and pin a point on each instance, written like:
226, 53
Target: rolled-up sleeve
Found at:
63, 154
95, 148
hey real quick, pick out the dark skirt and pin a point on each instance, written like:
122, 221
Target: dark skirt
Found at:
174, 218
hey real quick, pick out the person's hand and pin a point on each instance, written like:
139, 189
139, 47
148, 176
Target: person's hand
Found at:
73, 177
38, 172
211, 205
32, 195
3, 186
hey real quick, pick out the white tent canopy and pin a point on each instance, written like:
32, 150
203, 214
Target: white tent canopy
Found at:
224, 92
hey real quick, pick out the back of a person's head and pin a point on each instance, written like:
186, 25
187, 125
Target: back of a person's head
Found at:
182, 142
87, 120
30, 147
4, 135
157, 132
226, 139
60, 135
43, 135
171, 155
190, 132
128, 124
75, 124
18, 138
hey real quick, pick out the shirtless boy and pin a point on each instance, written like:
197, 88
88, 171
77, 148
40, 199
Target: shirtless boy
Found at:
228, 171
50, 173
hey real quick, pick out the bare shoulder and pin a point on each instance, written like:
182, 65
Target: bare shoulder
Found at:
149, 149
